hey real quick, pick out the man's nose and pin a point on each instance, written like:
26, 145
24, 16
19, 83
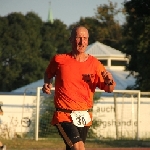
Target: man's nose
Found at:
81, 40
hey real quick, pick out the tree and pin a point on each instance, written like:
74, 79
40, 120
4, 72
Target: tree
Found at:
55, 39
20, 50
26, 46
136, 44
138, 8
110, 32
11, 67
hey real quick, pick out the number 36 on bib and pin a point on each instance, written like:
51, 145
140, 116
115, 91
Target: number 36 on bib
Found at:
80, 118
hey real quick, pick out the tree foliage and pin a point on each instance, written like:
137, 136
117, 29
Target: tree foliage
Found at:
138, 8
26, 46
55, 39
20, 57
137, 45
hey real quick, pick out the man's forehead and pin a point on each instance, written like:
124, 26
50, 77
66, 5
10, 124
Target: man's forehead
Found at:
79, 30
82, 31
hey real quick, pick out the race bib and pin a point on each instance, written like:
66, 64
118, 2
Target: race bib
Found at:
80, 118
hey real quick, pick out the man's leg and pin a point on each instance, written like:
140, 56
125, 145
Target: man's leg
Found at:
83, 132
77, 146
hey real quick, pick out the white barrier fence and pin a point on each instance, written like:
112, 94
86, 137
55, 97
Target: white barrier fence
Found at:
116, 135
17, 115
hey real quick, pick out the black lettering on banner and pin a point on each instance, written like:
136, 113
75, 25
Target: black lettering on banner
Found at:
81, 120
109, 123
108, 109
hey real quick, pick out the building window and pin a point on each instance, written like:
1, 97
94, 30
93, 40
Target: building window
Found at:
104, 62
118, 63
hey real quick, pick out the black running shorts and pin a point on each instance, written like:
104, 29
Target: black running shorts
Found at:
71, 134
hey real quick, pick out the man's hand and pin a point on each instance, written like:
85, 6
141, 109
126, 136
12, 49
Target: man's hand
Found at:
108, 79
47, 88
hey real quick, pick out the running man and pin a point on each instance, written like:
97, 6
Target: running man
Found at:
77, 75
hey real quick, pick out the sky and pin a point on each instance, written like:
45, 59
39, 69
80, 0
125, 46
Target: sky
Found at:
68, 11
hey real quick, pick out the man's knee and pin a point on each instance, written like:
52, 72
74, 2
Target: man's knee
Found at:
78, 146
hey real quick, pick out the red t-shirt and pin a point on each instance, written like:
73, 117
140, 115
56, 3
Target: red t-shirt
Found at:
75, 84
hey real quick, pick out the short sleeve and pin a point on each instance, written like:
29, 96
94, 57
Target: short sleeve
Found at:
51, 69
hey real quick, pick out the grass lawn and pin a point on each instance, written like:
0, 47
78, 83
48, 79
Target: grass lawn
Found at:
57, 143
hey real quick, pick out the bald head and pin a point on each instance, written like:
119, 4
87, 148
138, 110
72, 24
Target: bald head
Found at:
76, 28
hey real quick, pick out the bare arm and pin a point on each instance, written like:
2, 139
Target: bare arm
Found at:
109, 88
47, 84
108, 81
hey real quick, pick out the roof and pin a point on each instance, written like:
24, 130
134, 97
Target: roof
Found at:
30, 88
99, 49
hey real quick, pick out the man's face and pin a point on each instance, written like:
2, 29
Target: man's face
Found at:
80, 40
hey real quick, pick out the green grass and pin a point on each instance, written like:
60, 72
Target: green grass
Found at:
56, 143
29, 144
